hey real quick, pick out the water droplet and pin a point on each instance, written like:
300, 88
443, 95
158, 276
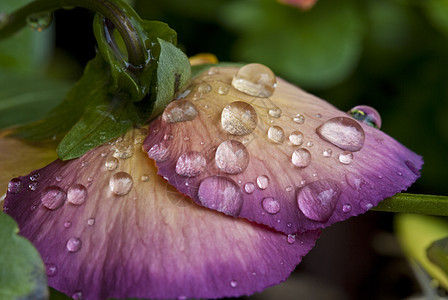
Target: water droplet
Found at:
67, 224
344, 133
77, 194
144, 178
270, 205
310, 144
73, 244
249, 187
289, 189
39, 21
213, 71
367, 115
84, 164
301, 158
299, 119
239, 118
318, 115
346, 157
275, 112
14, 186
78, 296
327, 152
232, 157
296, 138
354, 181
51, 270
263, 182
59, 178
34, 177
347, 208
91, 222
412, 167
221, 194
179, 111
53, 197
233, 283
289, 225
276, 134
204, 88
159, 152
121, 183
291, 238
33, 186
111, 163
369, 205
190, 164
123, 150
223, 90
318, 199
255, 80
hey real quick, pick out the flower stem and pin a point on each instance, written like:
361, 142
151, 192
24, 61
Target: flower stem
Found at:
415, 203
124, 18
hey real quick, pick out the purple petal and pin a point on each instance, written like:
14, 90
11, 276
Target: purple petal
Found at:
108, 227
315, 163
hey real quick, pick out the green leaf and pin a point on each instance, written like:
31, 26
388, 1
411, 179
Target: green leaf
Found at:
22, 272
27, 98
173, 72
437, 12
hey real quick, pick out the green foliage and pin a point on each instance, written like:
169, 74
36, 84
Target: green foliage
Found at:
22, 272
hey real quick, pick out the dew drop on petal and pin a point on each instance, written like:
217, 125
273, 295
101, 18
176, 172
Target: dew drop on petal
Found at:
121, 183
327, 152
346, 157
299, 119
249, 187
123, 150
51, 270
223, 90
159, 152
296, 138
344, 133
262, 182
270, 205
78, 295
221, 194
14, 186
204, 88
234, 283
53, 197
77, 194
190, 164
412, 167
367, 115
239, 118
34, 177
354, 181
33, 186
73, 244
276, 134
144, 178
67, 224
301, 158
232, 157
179, 111
347, 208
291, 239
91, 222
255, 80
317, 200
111, 163
275, 112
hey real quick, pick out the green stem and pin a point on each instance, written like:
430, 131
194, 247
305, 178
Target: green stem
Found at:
415, 203
119, 13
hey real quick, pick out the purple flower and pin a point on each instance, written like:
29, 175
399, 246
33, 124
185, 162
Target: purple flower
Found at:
259, 166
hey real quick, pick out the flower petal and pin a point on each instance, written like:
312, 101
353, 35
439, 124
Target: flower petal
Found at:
285, 158
107, 226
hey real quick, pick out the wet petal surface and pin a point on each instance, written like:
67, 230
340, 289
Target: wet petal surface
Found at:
109, 227
316, 164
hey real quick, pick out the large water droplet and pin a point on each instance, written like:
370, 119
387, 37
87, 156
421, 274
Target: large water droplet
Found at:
221, 194
276, 134
255, 80
159, 152
344, 133
14, 186
270, 205
39, 21
111, 163
318, 199
179, 111
239, 118
301, 158
263, 182
74, 244
190, 164
53, 197
296, 138
121, 183
232, 157
77, 194
346, 157
367, 115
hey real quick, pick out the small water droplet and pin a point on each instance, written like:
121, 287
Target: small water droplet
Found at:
317, 200
327, 152
318, 115
159, 152
14, 186
239, 118
84, 164
289, 225
34, 177
232, 157
32, 208
296, 138
354, 181
111, 163
255, 80
179, 111
121, 183
53, 197
39, 21
190, 164
412, 167
289, 189
276, 134
299, 119
263, 182
301, 158
249, 187
33, 186
275, 112
51, 270
367, 115
77, 194
310, 144
182, 95
59, 178
67, 224
233, 283
399, 173
221, 194
73, 244
91, 222
346, 157
144, 178
344, 133
77, 295
204, 88
223, 90
213, 71
291, 238
270, 205
347, 208
369, 206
